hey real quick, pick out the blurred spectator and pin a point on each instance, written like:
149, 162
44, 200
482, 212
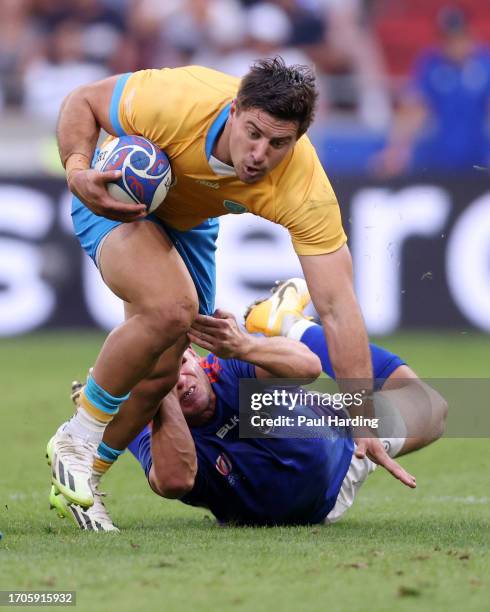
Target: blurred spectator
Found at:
17, 44
102, 26
359, 60
225, 26
308, 25
168, 33
63, 66
267, 32
47, 14
103, 29
441, 123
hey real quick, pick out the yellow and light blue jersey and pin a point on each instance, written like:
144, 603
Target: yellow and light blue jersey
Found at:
183, 110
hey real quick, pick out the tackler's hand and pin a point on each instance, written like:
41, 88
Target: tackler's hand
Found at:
374, 450
219, 334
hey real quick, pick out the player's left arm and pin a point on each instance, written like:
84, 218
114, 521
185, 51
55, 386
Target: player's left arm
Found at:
330, 282
272, 357
307, 206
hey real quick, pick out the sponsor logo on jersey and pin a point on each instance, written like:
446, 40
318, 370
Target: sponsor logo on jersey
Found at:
232, 423
223, 465
210, 184
235, 207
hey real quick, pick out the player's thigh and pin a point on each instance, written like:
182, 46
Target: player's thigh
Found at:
141, 266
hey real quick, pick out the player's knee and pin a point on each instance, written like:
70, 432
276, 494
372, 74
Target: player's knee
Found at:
438, 416
440, 409
166, 323
173, 486
177, 317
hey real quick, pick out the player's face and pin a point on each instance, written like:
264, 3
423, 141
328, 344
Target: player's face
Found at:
459, 46
194, 391
258, 142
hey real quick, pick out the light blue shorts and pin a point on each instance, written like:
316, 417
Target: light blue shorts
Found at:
196, 247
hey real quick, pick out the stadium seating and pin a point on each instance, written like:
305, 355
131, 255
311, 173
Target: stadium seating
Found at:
404, 27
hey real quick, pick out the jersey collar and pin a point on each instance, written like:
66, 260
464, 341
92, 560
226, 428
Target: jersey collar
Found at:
216, 128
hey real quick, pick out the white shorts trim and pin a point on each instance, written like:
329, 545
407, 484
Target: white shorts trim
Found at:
99, 248
357, 473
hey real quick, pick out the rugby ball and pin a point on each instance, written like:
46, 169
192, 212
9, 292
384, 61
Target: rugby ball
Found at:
146, 172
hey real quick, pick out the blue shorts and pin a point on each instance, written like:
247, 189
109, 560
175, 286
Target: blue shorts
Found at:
196, 247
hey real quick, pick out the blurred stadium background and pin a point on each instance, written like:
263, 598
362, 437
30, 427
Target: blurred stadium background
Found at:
401, 127
405, 86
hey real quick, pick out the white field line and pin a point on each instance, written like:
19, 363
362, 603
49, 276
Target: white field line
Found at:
34, 495
20, 496
438, 499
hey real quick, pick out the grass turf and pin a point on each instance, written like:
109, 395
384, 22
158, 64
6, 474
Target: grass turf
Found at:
396, 549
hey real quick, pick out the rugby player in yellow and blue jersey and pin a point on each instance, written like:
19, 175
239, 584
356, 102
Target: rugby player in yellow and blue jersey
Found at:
235, 146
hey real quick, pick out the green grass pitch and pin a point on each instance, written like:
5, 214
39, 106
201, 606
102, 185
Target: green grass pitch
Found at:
427, 549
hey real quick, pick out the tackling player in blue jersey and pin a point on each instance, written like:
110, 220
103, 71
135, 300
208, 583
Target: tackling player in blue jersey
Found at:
193, 450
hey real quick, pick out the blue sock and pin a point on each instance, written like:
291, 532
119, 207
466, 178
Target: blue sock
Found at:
107, 453
140, 447
105, 457
98, 402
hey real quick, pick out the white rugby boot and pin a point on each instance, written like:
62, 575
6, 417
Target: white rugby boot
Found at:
95, 518
71, 460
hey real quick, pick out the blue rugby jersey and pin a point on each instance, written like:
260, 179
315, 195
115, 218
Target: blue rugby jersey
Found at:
261, 481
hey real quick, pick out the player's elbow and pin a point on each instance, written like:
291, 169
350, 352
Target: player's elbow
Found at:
173, 486
78, 93
177, 488
311, 366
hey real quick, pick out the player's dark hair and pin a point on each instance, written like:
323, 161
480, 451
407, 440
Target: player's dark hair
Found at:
285, 92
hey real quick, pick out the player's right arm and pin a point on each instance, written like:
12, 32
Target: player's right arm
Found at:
83, 113
174, 459
276, 357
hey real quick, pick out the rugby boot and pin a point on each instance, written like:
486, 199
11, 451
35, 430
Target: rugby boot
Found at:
71, 460
95, 518
274, 315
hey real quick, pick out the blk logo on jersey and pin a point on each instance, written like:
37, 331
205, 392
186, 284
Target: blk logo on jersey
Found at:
232, 423
223, 465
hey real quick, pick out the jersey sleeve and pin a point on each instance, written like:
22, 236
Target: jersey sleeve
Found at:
307, 207
234, 368
146, 103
